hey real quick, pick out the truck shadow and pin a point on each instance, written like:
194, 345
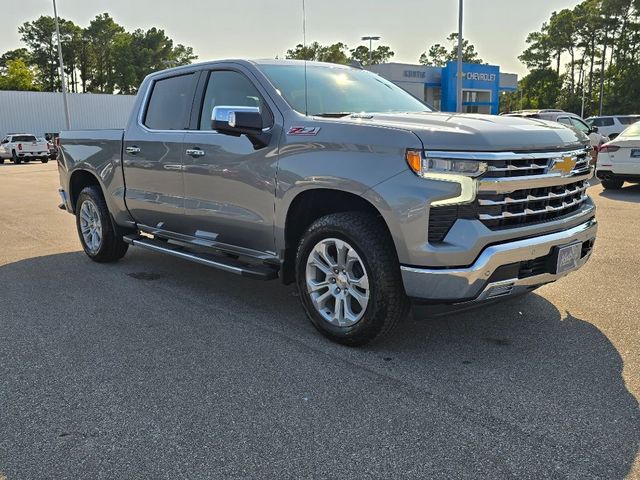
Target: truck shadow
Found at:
545, 373
628, 193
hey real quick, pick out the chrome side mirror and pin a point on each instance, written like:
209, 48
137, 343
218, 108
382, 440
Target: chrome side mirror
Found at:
236, 119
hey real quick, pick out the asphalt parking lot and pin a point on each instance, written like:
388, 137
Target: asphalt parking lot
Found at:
158, 368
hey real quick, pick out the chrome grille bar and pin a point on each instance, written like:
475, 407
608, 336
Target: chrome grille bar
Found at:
532, 166
528, 211
533, 198
511, 184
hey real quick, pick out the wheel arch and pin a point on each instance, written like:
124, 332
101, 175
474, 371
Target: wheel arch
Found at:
78, 180
311, 204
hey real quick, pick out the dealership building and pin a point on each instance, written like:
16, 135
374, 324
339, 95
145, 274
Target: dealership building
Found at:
481, 84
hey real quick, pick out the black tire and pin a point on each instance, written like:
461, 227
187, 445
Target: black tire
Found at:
111, 247
612, 184
387, 304
1, 160
15, 158
44, 160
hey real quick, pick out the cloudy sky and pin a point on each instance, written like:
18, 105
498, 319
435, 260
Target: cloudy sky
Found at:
261, 29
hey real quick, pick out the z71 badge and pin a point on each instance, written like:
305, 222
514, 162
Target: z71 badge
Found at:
306, 131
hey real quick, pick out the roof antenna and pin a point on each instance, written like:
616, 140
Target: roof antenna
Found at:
304, 48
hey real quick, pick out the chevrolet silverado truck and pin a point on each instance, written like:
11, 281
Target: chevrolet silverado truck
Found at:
23, 147
337, 180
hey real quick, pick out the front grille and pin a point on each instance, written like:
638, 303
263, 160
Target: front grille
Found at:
525, 207
518, 190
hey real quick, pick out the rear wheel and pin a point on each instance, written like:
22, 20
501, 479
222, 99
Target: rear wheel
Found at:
98, 236
348, 278
44, 159
612, 184
15, 158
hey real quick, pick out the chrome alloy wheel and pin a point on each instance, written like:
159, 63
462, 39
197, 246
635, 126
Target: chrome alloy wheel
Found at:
337, 282
90, 226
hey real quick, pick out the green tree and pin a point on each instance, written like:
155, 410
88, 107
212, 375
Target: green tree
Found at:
72, 44
540, 89
101, 34
381, 54
17, 54
438, 55
17, 76
39, 37
601, 40
334, 53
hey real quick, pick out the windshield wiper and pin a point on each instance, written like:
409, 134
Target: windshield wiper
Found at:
332, 114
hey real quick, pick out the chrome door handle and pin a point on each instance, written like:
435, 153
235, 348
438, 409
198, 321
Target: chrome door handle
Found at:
132, 150
195, 152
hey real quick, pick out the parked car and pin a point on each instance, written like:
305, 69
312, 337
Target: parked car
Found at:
337, 180
23, 147
619, 160
50, 147
566, 118
612, 125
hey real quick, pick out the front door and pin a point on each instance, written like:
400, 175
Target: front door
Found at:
229, 184
153, 151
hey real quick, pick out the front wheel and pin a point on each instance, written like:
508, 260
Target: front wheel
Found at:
348, 278
44, 160
98, 236
612, 184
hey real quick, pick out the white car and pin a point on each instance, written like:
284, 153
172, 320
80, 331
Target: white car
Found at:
612, 125
20, 147
619, 159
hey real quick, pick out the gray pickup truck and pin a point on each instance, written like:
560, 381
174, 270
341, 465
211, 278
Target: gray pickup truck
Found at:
335, 179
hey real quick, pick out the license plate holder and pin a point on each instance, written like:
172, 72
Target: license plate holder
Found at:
635, 153
567, 257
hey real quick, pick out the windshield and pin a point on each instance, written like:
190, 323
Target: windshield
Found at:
338, 90
632, 131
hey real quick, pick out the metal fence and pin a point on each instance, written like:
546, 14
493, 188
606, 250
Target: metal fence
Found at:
42, 112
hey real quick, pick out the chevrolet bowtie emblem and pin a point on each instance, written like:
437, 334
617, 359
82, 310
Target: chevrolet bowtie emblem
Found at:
565, 165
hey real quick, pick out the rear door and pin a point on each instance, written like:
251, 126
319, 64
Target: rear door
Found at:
152, 153
229, 183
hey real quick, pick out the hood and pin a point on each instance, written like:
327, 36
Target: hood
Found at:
474, 132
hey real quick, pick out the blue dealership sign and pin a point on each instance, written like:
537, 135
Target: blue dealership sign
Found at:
482, 79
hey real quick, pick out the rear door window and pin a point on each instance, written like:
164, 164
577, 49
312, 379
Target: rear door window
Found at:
628, 120
603, 122
24, 138
170, 103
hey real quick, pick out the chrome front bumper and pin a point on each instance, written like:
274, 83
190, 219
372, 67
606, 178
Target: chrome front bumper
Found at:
475, 284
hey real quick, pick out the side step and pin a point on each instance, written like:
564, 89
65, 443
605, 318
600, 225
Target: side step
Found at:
221, 262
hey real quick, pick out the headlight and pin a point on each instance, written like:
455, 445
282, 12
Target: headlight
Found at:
439, 166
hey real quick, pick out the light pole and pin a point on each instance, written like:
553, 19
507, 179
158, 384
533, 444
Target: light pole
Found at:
371, 39
459, 78
63, 83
